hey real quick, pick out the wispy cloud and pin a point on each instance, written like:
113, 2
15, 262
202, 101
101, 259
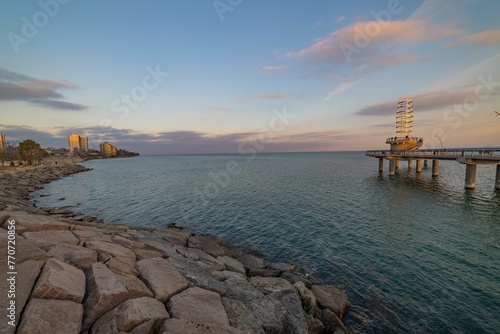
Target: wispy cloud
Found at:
270, 96
487, 37
342, 87
273, 69
225, 109
423, 102
340, 18
42, 92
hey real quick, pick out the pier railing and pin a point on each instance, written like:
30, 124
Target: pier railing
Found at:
482, 153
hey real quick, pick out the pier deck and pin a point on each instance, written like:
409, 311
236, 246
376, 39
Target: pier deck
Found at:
469, 156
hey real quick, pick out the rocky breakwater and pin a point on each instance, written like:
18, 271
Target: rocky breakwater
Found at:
82, 277
17, 183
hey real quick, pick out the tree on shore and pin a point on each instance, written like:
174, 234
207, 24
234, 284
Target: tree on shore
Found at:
31, 152
10, 153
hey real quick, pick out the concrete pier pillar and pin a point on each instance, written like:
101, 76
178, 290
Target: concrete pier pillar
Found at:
392, 167
396, 164
470, 176
435, 167
497, 178
381, 165
419, 166
425, 163
410, 164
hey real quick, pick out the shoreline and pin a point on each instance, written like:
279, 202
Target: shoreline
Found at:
116, 278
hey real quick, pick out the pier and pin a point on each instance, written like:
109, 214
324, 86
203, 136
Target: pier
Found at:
471, 157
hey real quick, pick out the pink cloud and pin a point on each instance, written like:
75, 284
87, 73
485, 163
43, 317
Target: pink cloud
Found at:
484, 37
373, 35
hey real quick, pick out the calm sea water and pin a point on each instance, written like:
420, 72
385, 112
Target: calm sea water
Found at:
415, 254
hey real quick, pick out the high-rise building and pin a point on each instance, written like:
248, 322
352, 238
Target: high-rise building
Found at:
108, 150
3, 145
84, 143
77, 142
74, 142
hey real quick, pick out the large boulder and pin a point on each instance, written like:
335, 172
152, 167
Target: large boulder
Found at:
207, 244
291, 302
122, 265
331, 322
60, 280
27, 273
307, 298
161, 277
182, 326
270, 313
43, 316
197, 275
77, 256
131, 314
103, 247
135, 287
198, 305
128, 242
270, 284
332, 298
104, 292
232, 264
37, 222
241, 317
142, 254
50, 238
252, 262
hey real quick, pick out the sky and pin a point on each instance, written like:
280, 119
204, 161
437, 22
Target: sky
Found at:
233, 76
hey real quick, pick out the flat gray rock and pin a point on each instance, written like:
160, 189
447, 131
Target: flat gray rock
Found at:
130, 314
290, 300
198, 305
241, 317
270, 284
197, 275
43, 316
78, 256
271, 314
161, 277
60, 280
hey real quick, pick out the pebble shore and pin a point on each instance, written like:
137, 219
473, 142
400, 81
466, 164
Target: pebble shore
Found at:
73, 274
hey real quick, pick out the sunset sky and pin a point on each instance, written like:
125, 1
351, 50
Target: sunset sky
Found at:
162, 77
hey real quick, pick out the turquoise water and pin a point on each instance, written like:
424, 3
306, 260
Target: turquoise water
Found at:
415, 254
